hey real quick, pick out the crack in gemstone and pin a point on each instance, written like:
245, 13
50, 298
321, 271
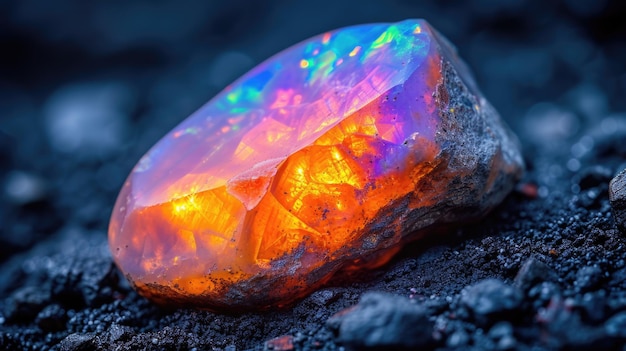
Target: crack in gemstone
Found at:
250, 187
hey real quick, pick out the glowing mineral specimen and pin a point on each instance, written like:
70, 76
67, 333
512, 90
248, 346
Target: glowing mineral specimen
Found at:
326, 157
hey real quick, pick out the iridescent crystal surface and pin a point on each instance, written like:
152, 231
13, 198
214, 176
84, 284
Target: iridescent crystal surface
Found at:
327, 156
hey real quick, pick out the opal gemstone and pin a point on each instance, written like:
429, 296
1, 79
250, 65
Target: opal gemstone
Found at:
326, 157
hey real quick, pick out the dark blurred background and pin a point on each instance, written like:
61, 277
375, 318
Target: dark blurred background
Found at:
87, 87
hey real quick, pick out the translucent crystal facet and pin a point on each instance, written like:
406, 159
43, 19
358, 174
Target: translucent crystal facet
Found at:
327, 156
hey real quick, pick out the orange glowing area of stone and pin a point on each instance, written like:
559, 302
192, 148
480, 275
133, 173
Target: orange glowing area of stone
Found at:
266, 191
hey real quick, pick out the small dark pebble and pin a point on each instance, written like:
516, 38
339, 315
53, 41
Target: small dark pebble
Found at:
618, 278
616, 326
382, 322
323, 297
593, 306
588, 278
491, 298
86, 284
533, 272
118, 332
564, 329
23, 188
25, 303
436, 306
617, 303
500, 330
502, 335
617, 197
542, 294
458, 338
78, 342
594, 176
52, 318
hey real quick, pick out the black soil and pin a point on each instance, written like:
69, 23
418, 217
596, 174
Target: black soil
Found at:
86, 88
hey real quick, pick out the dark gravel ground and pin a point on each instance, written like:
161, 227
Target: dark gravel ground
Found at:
86, 88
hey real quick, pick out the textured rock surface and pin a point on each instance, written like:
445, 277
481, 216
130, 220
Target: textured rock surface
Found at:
384, 322
328, 156
617, 196
533, 272
491, 297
